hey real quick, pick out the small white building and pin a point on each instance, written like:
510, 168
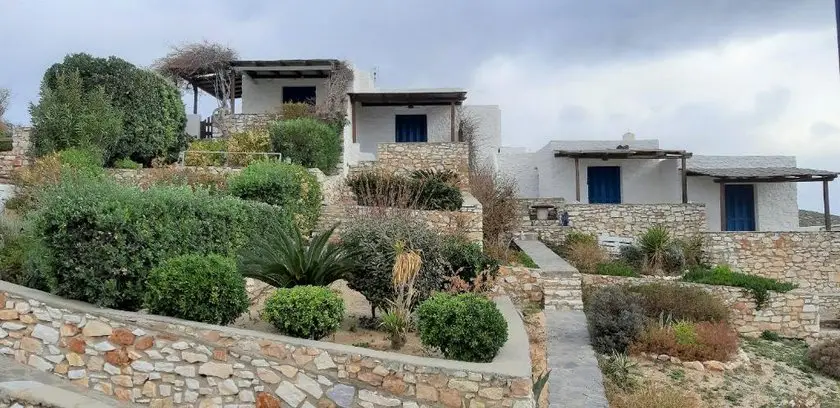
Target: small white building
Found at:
740, 193
374, 115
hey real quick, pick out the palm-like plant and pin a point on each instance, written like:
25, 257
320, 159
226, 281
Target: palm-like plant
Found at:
654, 244
284, 259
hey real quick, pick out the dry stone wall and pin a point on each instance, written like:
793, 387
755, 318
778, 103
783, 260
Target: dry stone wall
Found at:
523, 285
164, 362
792, 314
404, 158
224, 125
809, 259
18, 156
617, 220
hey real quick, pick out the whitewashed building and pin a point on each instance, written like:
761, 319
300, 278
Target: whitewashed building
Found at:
374, 115
740, 193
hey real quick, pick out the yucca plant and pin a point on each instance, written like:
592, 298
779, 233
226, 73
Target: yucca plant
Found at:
397, 319
284, 259
655, 244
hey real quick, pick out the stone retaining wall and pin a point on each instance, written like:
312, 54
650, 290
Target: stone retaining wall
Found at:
809, 259
18, 156
618, 220
165, 362
225, 125
145, 177
792, 314
523, 285
404, 158
468, 221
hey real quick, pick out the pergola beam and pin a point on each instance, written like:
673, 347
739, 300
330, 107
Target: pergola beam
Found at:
826, 206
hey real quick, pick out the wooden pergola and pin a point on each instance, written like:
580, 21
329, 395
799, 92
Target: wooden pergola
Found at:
618, 153
258, 69
418, 97
742, 175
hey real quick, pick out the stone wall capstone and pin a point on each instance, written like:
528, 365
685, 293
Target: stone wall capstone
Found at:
794, 314
164, 362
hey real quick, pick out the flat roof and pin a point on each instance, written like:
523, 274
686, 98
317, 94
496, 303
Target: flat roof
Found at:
628, 153
439, 96
764, 174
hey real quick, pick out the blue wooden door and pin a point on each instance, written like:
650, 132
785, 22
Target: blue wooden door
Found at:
604, 184
740, 207
410, 128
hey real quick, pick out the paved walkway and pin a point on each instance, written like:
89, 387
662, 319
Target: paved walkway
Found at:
575, 380
19, 381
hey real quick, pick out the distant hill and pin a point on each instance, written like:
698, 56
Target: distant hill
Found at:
815, 219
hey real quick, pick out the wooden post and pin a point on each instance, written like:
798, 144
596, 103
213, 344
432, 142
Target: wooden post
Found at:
684, 181
195, 99
452, 122
353, 118
232, 93
577, 179
722, 206
826, 207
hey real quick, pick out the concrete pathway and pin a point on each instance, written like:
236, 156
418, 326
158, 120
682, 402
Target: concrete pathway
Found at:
575, 380
22, 383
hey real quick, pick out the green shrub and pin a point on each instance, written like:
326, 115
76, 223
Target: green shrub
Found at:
373, 238
88, 159
523, 259
685, 332
758, 286
615, 317
680, 303
387, 190
297, 110
770, 336
15, 240
441, 176
825, 357
287, 185
68, 115
308, 142
255, 140
309, 312
195, 157
152, 111
464, 327
585, 256
201, 288
283, 259
101, 239
127, 164
615, 268
467, 260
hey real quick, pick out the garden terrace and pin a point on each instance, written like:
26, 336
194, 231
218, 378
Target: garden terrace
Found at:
793, 314
161, 361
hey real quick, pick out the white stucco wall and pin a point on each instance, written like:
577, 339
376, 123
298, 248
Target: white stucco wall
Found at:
518, 164
266, 95
193, 125
376, 124
777, 208
489, 121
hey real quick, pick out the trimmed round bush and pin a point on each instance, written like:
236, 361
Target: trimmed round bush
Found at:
465, 327
309, 142
467, 259
825, 357
615, 318
287, 185
201, 288
309, 312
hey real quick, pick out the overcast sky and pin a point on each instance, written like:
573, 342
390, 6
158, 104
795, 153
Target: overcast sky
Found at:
710, 76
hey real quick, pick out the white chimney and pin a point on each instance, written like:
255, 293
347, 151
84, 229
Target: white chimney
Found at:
628, 137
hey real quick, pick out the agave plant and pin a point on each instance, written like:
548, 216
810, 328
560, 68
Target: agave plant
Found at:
655, 244
284, 259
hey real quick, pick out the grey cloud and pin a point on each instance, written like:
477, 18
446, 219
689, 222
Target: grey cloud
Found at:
822, 129
411, 42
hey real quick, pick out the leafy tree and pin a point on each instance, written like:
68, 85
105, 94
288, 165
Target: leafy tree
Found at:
70, 116
153, 113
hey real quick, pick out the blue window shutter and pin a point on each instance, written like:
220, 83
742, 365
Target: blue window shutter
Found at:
410, 128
